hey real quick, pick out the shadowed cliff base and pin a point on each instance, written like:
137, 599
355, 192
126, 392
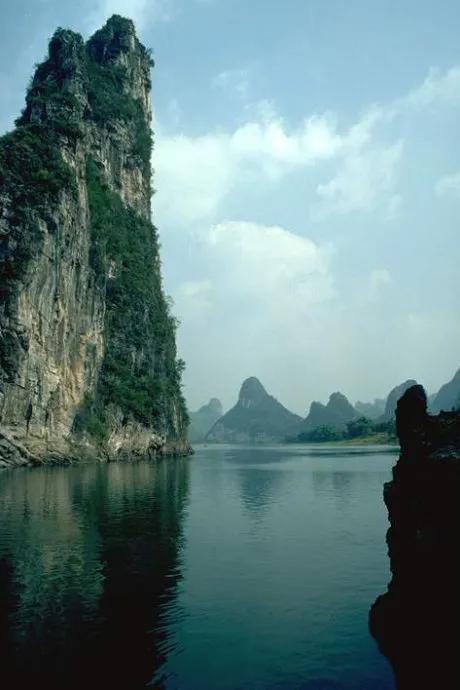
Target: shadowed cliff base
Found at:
416, 621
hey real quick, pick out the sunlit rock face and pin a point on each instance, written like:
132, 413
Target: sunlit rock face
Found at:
87, 345
257, 417
416, 621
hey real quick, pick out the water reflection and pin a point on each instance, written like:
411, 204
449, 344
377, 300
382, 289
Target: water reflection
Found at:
89, 568
260, 476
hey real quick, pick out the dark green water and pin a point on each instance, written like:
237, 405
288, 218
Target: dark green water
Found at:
238, 569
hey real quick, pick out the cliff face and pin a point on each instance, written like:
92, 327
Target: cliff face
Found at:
416, 621
87, 344
257, 417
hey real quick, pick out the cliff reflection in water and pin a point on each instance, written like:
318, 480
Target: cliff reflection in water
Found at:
89, 568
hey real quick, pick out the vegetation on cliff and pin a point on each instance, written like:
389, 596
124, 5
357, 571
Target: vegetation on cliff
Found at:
75, 229
126, 260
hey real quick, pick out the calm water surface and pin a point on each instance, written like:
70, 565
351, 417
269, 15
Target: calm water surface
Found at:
238, 569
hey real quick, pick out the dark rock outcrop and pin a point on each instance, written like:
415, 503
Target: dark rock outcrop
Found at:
203, 419
416, 621
257, 417
88, 364
336, 414
448, 396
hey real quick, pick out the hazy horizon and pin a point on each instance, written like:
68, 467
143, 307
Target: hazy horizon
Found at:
308, 185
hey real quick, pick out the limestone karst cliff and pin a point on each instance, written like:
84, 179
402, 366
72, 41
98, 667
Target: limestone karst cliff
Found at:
88, 363
416, 621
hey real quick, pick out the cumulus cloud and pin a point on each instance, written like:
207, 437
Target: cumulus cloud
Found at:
363, 179
195, 174
283, 299
259, 288
449, 185
439, 88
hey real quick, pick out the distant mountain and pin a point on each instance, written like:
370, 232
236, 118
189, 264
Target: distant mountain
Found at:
392, 399
337, 413
371, 410
448, 396
257, 417
203, 419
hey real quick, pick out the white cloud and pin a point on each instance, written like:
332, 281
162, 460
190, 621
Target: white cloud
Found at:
253, 302
361, 182
257, 299
439, 88
269, 265
195, 174
449, 185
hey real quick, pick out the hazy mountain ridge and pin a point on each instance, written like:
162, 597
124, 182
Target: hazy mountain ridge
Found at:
448, 396
257, 417
203, 420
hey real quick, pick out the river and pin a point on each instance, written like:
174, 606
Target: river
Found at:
235, 569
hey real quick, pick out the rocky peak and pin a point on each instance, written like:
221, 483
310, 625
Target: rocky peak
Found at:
336, 413
251, 393
215, 406
339, 402
448, 396
117, 44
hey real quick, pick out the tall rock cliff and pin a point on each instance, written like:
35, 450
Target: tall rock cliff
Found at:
416, 621
88, 361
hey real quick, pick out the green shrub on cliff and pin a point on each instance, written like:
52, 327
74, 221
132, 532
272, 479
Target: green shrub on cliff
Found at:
140, 373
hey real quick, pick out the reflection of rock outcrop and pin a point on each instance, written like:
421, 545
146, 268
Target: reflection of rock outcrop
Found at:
416, 621
260, 478
90, 563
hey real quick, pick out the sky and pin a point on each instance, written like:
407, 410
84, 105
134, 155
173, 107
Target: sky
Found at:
307, 177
